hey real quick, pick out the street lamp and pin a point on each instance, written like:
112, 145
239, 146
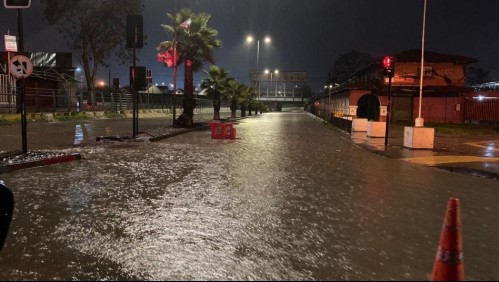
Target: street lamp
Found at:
79, 97
329, 87
250, 39
276, 72
420, 121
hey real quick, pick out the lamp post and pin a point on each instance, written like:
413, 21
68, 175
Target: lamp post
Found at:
250, 39
420, 121
271, 73
329, 87
79, 87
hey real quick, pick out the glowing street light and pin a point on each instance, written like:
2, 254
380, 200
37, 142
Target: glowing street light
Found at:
276, 72
250, 39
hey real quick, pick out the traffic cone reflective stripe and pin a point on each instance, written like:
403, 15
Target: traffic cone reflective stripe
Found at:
449, 264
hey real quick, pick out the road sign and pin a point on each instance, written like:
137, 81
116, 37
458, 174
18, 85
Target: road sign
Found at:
17, 4
20, 66
10, 43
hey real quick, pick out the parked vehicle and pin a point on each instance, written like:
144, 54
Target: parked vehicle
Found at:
6, 209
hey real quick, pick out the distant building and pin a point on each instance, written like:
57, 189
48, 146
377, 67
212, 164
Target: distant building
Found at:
445, 96
52, 83
278, 88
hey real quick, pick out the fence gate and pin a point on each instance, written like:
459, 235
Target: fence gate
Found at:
482, 109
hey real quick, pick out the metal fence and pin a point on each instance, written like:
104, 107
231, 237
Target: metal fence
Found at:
481, 109
51, 100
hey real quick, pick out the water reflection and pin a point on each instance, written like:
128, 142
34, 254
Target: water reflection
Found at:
78, 135
288, 200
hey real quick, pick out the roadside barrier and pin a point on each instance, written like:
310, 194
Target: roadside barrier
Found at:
449, 265
222, 130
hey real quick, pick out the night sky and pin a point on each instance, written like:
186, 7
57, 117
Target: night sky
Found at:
307, 35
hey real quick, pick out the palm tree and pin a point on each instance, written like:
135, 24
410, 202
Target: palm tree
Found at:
233, 92
216, 83
245, 100
195, 43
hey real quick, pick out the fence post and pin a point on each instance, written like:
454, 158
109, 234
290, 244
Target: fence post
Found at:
102, 98
54, 101
37, 101
68, 96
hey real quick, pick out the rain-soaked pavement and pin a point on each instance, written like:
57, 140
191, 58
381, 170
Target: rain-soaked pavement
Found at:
288, 200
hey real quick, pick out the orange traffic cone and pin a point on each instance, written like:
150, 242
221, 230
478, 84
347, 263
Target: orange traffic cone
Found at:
449, 264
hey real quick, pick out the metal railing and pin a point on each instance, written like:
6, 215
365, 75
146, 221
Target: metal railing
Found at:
481, 109
51, 100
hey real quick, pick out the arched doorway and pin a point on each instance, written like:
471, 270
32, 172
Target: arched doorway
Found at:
368, 107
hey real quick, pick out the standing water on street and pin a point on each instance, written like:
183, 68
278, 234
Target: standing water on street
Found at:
289, 199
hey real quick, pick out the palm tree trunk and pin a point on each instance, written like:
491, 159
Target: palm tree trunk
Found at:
216, 106
233, 108
185, 120
243, 110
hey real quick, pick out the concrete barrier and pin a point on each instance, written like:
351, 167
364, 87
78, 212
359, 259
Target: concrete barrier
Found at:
359, 124
376, 129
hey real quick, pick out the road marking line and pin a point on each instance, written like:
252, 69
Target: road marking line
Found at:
487, 146
436, 160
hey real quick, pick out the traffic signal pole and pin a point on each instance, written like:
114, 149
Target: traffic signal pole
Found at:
388, 71
388, 110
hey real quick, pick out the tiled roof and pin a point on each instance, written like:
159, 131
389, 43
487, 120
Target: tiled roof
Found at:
414, 55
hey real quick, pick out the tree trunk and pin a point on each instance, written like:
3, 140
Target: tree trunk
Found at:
233, 108
185, 120
243, 111
216, 106
250, 110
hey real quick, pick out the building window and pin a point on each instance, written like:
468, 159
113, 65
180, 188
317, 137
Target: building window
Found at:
428, 71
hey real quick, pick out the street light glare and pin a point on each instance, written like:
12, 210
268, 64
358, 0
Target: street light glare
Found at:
249, 39
267, 39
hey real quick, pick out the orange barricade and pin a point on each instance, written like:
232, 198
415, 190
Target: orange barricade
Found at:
449, 265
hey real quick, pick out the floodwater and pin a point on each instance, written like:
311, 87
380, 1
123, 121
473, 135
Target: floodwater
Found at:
290, 199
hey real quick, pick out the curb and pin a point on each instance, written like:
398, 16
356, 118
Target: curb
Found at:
43, 162
452, 169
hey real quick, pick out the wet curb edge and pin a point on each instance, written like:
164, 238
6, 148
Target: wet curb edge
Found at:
43, 162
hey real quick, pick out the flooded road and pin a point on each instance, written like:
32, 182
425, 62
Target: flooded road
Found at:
288, 200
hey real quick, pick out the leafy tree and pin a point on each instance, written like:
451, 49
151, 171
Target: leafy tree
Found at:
215, 83
476, 75
96, 29
349, 63
195, 45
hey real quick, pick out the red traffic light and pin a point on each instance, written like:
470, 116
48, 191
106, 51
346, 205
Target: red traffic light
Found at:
388, 62
388, 66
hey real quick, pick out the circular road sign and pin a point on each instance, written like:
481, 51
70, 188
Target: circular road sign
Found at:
317, 104
20, 66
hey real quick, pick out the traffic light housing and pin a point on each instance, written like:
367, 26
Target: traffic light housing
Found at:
388, 66
17, 4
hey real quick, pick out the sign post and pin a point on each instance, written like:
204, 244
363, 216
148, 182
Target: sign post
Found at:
21, 67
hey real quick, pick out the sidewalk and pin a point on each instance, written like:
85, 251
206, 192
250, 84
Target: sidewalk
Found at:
470, 154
